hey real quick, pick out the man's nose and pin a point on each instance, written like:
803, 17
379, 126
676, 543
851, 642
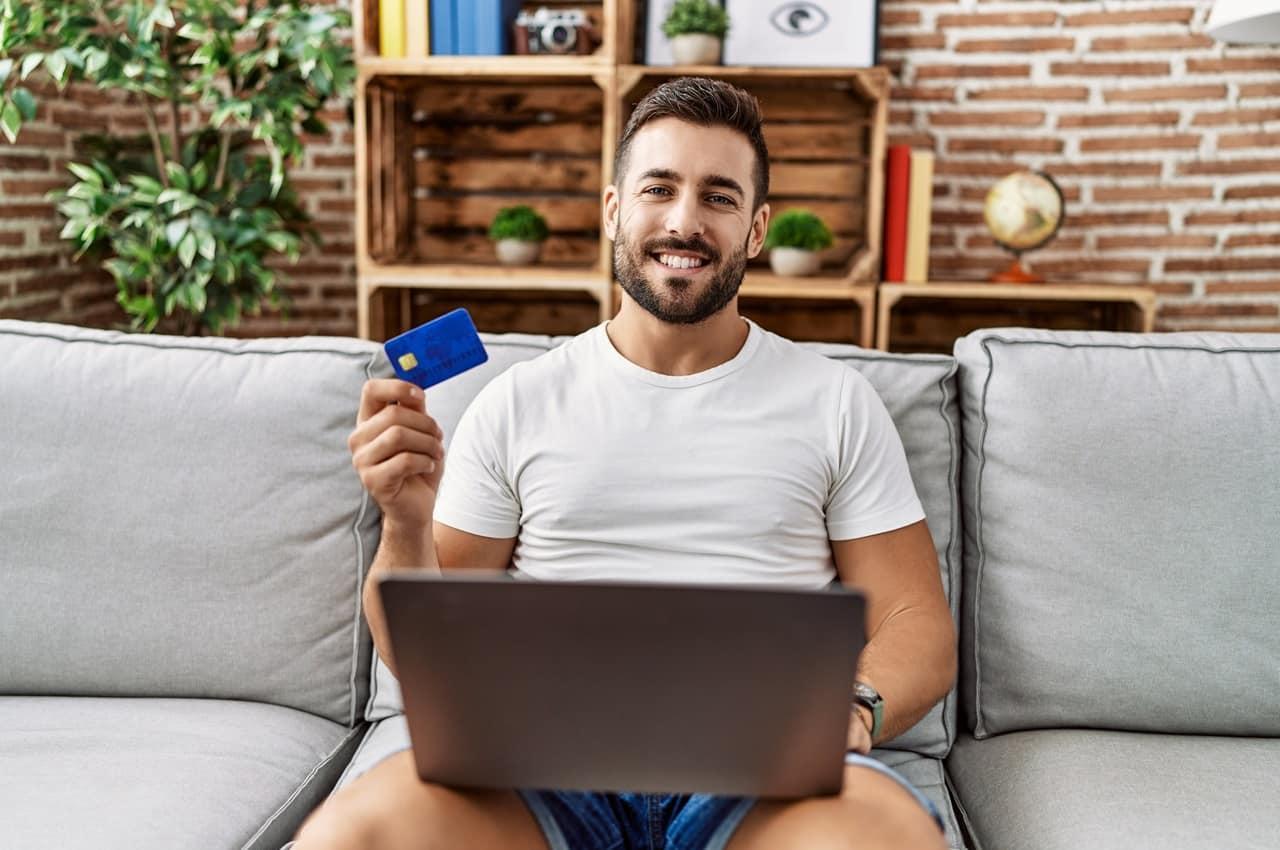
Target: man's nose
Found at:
684, 217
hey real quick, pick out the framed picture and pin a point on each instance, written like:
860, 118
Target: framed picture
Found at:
828, 33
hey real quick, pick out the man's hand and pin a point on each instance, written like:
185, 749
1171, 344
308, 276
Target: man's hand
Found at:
398, 450
860, 730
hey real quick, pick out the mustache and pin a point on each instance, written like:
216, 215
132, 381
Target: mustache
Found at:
695, 245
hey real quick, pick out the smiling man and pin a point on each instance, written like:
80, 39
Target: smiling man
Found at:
678, 442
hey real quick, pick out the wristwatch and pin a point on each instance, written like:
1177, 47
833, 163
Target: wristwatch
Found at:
866, 695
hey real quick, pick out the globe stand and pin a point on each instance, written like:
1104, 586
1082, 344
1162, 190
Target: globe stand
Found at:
1016, 272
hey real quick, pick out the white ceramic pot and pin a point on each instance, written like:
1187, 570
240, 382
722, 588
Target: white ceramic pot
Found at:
517, 252
794, 262
695, 48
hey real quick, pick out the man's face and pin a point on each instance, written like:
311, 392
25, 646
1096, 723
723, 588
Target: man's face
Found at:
681, 222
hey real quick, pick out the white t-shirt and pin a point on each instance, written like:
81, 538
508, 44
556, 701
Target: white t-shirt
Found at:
739, 474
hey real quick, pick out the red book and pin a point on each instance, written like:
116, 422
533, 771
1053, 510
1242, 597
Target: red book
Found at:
897, 191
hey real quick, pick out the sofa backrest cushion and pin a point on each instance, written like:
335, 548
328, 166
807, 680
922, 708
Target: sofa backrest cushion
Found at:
920, 393
180, 517
1122, 531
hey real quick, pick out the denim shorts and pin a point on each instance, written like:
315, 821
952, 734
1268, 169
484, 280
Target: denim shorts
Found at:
586, 821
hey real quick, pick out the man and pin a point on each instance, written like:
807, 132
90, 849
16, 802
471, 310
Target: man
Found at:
678, 441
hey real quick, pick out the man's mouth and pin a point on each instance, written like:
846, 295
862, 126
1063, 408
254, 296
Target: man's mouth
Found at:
679, 262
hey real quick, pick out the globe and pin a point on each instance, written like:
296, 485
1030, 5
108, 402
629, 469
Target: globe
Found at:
1023, 211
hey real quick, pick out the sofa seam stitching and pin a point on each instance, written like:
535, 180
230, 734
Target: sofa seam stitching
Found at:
128, 341
979, 726
360, 572
356, 755
952, 486
298, 790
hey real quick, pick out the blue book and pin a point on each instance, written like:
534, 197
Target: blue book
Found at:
444, 30
464, 16
493, 25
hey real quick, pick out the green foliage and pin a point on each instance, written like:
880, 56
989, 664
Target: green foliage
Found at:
696, 16
518, 222
186, 217
798, 229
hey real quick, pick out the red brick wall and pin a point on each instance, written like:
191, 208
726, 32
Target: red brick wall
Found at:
1165, 141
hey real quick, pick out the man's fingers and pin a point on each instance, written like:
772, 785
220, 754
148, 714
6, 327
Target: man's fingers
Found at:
368, 430
380, 392
395, 440
386, 478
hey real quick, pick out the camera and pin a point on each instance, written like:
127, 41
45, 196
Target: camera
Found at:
567, 31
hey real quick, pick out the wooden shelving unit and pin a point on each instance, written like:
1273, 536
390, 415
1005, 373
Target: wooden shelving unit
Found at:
929, 317
442, 142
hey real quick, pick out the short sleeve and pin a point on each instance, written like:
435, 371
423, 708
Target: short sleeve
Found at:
872, 491
476, 494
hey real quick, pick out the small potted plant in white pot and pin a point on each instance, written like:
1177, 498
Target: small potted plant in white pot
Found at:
696, 29
795, 237
518, 233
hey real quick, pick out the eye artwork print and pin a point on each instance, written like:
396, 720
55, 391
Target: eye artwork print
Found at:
799, 18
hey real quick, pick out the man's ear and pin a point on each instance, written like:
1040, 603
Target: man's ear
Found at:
611, 210
759, 228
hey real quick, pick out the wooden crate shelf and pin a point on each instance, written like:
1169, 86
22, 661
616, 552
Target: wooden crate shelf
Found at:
929, 317
443, 142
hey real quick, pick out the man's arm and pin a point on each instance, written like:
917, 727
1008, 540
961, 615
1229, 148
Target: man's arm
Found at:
910, 657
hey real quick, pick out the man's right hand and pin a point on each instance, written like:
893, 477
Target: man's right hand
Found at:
398, 450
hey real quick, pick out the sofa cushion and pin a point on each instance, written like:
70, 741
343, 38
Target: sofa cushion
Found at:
920, 394
87, 772
391, 736
180, 517
1121, 497
1067, 789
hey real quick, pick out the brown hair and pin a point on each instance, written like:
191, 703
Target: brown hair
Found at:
706, 102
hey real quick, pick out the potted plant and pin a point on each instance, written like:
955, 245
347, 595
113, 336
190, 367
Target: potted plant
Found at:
794, 239
696, 29
187, 215
518, 233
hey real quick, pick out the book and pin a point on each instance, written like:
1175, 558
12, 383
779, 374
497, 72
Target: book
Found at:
896, 196
464, 27
417, 28
391, 28
919, 217
444, 33
494, 19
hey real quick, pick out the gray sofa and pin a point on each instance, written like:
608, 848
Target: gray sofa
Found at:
183, 662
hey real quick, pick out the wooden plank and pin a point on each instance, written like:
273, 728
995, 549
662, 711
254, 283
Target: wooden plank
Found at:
842, 217
373, 144
802, 319
559, 249
577, 138
387, 142
540, 103
490, 174
818, 179
815, 140
510, 311
562, 212
403, 176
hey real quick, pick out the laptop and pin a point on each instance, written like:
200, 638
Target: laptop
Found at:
624, 687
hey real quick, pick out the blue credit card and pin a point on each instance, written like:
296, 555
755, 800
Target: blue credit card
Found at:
438, 350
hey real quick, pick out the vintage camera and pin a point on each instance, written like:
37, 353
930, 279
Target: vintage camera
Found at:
559, 31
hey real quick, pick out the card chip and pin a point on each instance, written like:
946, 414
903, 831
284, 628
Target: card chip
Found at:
408, 361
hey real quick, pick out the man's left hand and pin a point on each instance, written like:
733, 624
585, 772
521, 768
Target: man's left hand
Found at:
860, 730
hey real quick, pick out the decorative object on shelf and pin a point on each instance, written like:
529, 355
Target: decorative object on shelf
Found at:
696, 29
1023, 211
189, 215
794, 239
555, 31
518, 233
897, 197
391, 29
919, 217
830, 33
1245, 21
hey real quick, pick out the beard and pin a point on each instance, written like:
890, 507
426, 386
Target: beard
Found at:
686, 306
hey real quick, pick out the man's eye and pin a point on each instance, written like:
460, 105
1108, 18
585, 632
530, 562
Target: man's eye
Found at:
720, 199
655, 190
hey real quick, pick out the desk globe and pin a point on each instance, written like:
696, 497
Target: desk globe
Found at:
1023, 211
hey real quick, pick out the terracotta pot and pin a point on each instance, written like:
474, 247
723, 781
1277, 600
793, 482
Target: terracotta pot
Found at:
695, 48
517, 252
794, 262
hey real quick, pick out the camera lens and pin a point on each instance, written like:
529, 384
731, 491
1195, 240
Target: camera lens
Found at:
559, 38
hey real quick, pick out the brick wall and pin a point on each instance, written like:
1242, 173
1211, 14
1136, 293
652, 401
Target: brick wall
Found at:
1165, 142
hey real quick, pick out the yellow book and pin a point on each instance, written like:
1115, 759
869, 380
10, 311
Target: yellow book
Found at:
417, 28
391, 28
919, 217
